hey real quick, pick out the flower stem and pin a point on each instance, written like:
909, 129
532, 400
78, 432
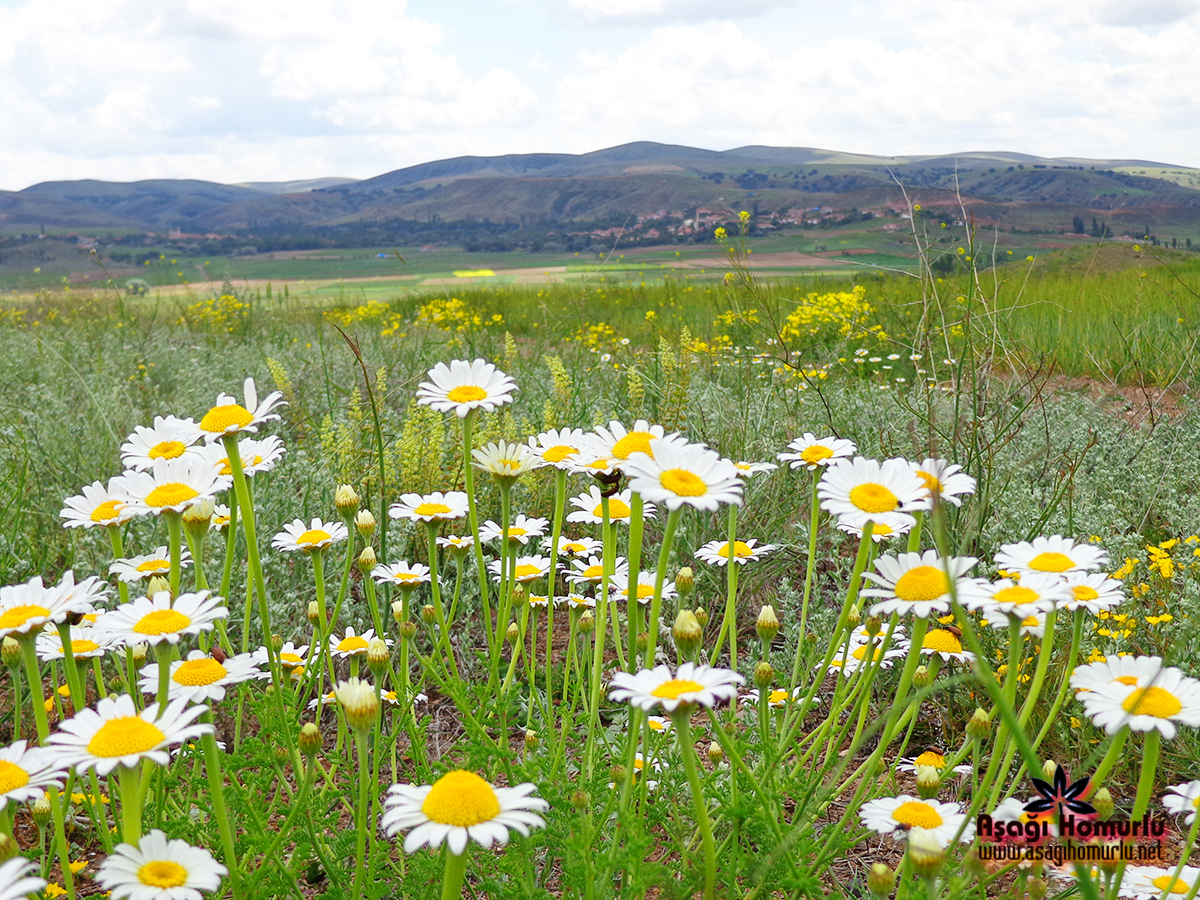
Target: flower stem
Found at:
175, 543
456, 872
360, 813
216, 790
664, 557
480, 566
683, 734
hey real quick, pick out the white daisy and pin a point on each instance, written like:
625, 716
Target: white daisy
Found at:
1093, 591
557, 447
916, 583
619, 443
464, 386
577, 547
433, 507
1032, 625
895, 815
168, 438
748, 470
946, 481
591, 462
317, 535
159, 869
220, 517
457, 543
458, 807
1034, 593
809, 451
1152, 882
619, 583
228, 416
933, 758
26, 772
777, 698
575, 602
591, 570
505, 460
1055, 554
1173, 698
590, 509
1183, 798
256, 455
684, 475
947, 644
716, 553
152, 620
138, 568
402, 573
351, 644
97, 505
525, 568
86, 643
80, 596
880, 531
171, 485
201, 677
690, 685
290, 656
15, 881
116, 734
25, 608
864, 490
659, 723
1135, 671
522, 529
862, 653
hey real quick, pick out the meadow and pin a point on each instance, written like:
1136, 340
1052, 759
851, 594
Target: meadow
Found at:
882, 722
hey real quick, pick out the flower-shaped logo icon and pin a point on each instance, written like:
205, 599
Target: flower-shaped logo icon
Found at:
1061, 795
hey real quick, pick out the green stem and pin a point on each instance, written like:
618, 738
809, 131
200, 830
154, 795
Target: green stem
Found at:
216, 790
477, 546
660, 576
683, 735
131, 804
456, 872
809, 569
633, 553
164, 651
436, 592
360, 813
175, 543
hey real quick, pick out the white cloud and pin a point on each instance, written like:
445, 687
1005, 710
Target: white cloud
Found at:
616, 11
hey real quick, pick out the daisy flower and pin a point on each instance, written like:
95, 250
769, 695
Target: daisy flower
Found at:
505, 460
590, 462
290, 656
228, 416
25, 608
578, 547
458, 807
943, 480
1150, 882
256, 455
1183, 798
201, 677
1056, 554
591, 570
748, 470
618, 442
139, 568
557, 447
660, 724
15, 881
433, 507
465, 386
220, 517
947, 644
809, 451
690, 685
1032, 625
619, 583
157, 619
456, 543
575, 601
86, 643
168, 438
1093, 591
639, 767
716, 553
590, 510
895, 815
776, 699
1036, 593
315, 536
684, 475
26, 772
351, 644
864, 490
881, 531
933, 758
1136, 671
159, 869
97, 505
402, 573
916, 583
116, 734
857, 657
171, 485
80, 596
522, 529
525, 568
1171, 699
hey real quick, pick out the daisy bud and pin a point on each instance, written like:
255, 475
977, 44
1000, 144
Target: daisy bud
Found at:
314, 612
513, 633
197, 518
345, 498
519, 596
139, 654
8, 847
874, 625
587, 622
921, 678
408, 630
642, 641
277, 642
764, 674
156, 585
40, 810
929, 782
367, 560
1049, 767
767, 624
116, 684
378, 656
980, 725
1037, 888
398, 611
617, 773
854, 616
715, 754
428, 614
579, 800
10, 652
365, 523
701, 615
687, 633
881, 880
360, 700
1103, 802
532, 741
685, 582
925, 852
310, 740
281, 755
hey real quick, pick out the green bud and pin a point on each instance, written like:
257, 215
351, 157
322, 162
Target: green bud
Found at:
367, 560
854, 616
874, 625
532, 741
277, 642
921, 678
587, 622
513, 634
40, 810
688, 633
1102, 800
428, 614
929, 782
197, 519
156, 585
139, 654
408, 630
685, 582
1037, 888
116, 684
345, 498
281, 755
980, 725
365, 523
314, 612
925, 852
10, 652
310, 739
767, 624
8, 847
881, 880
642, 641
764, 674
715, 754
399, 612
701, 615
579, 800
1049, 767
617, 773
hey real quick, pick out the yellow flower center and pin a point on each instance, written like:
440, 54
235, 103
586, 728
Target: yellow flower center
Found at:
154, 565
196, 672
673, 689
1030, 622
1016, 595
352, 644
1051, 562
930, 758
574, 547
527, 570
461, 799
19, 615
1152, 701
616, 509
124, 736
406, 576
873, 498
1163, 882
942, 640
162, 873
292, 659
109, 509
683, 483
643, 590
12, 777
312, 537
593, 572
916, 814
84, 646
431, 509
162, 621
558, 453
659, 726
166, 450
921, 584
1126, 679
171, 494
220, 419
516, 532
466, 393
777, 696
816, 454
1083, 593
931, 482
634, 442
860, 653
740, 550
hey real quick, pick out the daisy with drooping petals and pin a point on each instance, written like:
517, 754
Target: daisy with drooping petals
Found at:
220, 517
152, 620
575, 602
880, 531
171, 485
1183, 798
895, 815
228, 416
201, 677
435, 507
1136, 671
1032, 625
681, 474
159, 869
862, 490
556, 448
809, 451
1054, 555
619, 583
25, 608
26, 772
1033, 594
351, 644
97, 505
402, 574
168, 438
577, 547
116, 734
15, 881
1152, 882
139, 568
944, 481
716, 553
522, 529
916, 583
1172, 698
256, 455
590, 508
947, 644
86, 643
934, 759
525, 568
591, 570
290, 656
691, 685
619, 443
458, 807
505, 460
465, 386
1093, 591
862, 653
748, 470
315, 536
776, 699
589, 462
457, 544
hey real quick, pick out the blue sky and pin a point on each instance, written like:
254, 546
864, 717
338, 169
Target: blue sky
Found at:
266, 90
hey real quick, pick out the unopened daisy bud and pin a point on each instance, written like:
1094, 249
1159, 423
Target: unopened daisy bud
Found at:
156, 585
587, 622
513, 633
715, 754
854, 616
701, 615
8, 847
685, 582
428, 614
617, 773
687, 633
365, 523
980, 725
929, 782
532, 741
360, 700
579, 800
767, 624
519, 596
139, 654
881, 880
399, 613
345, 498
197, 518
1049, 767
277, 642
408, 630
642, 641
116, 684
367, 560
40, 810
310, 739
921, 677
1103, 802
873, 625
314, 612
10, 652
281, 755
925, 852
1037, 888
764, 674
378, 656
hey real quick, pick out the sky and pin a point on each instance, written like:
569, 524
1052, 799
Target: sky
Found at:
277, 90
